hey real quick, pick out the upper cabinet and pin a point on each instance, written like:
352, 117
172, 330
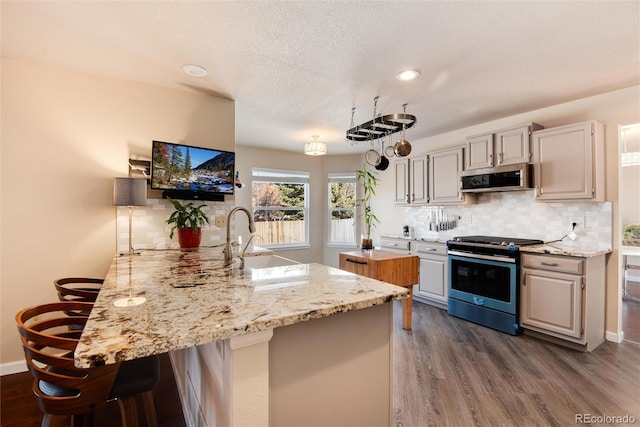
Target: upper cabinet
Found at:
500, 148
401, 170
444, 167
569, 162
431, 179
411, 181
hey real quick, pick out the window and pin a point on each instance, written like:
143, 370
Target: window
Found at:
342, 209
280, 207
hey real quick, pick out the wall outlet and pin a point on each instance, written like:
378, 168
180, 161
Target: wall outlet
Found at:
465, 219
221, 221
579, 221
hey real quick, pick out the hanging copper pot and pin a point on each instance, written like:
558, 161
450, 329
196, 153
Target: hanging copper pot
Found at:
402, 148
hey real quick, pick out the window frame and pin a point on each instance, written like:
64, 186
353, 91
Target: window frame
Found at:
344, 177
280, 176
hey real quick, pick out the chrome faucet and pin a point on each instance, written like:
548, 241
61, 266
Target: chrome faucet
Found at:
228, 255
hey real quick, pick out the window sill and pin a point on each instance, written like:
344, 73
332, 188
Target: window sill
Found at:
342, 245
286, 247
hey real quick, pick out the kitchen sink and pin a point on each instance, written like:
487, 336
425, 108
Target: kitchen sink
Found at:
265, 261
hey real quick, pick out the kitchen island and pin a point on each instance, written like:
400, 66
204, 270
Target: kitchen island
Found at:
291, 344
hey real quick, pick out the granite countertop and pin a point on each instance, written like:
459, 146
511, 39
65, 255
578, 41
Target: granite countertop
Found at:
415, 239
558, 248
192, 298
566, 250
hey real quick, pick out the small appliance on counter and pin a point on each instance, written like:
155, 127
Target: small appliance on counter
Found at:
406, 231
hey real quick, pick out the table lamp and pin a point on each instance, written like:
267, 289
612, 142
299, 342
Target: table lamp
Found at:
130, 192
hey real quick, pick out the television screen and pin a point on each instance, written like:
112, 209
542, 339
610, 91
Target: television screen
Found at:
178, 167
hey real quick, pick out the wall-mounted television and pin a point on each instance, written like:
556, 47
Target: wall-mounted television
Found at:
186, 172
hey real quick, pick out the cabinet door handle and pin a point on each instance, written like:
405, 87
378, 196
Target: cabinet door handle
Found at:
549, 264
356, 261
391, 244
424, 251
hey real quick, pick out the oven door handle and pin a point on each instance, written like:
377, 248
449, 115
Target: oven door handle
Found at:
480, 256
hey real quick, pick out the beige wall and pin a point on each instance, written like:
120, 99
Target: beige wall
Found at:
612, 109
318, 167
65, 135
336, 164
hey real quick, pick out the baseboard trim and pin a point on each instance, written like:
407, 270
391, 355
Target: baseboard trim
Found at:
614, 337
13, 368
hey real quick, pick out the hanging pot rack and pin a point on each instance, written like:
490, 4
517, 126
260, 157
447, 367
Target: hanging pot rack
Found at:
380, 126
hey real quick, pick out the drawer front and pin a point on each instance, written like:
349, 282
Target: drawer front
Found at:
395, 244
423, 249
562, 264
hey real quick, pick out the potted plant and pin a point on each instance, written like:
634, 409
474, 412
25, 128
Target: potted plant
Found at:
631, 235
189, 220
368, 182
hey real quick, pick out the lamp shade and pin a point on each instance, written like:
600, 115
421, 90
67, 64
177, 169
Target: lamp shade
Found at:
129, 191
315, 149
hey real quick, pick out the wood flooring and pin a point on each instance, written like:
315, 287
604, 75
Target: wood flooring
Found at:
448, 372
18, 407
631, 320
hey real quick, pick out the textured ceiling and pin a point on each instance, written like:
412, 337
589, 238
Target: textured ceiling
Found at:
296, 69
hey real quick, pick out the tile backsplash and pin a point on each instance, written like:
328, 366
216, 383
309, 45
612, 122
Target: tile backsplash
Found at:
150, 230
515, 214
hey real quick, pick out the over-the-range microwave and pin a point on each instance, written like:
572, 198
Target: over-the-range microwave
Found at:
501, 178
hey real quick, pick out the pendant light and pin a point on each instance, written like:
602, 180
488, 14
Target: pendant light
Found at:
315, 148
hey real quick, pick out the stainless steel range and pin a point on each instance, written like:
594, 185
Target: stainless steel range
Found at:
484, 273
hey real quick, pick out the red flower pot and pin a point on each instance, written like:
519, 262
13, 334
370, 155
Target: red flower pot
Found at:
189, 239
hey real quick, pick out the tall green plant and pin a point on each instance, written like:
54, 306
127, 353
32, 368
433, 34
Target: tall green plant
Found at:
368, 182
186, 216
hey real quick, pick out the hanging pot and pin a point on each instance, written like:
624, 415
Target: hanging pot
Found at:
402, 148
372, 157
389, 151
383, 165
384, 162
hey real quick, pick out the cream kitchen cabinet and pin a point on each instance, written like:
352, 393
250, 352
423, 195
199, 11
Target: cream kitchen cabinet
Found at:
432, 287
395, 244
444, 183
431, 179
411, 181
562, 298
569, 162
504, 147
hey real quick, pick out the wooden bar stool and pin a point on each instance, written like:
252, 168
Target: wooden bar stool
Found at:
49, 337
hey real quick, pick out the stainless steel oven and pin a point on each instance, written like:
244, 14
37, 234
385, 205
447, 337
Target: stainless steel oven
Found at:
483, 280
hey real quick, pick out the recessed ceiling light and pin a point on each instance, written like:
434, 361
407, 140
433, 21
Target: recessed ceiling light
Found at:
407, 75
195, 70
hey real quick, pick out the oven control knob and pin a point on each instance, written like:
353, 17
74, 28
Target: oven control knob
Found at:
503, 243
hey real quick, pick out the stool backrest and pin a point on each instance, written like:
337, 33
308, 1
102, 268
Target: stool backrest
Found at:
49, 337
78, 288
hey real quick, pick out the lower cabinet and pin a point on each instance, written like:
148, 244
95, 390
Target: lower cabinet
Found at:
563, 297
432, 287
